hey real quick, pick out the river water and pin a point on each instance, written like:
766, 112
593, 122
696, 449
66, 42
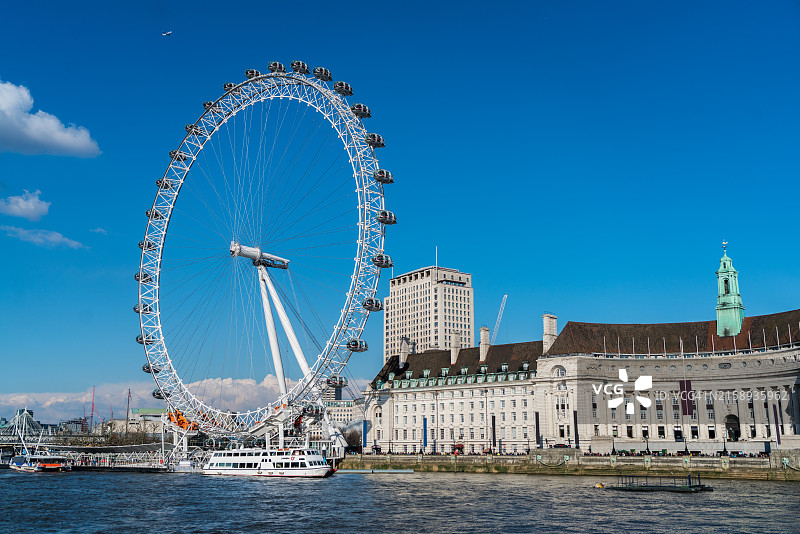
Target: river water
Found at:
420, 502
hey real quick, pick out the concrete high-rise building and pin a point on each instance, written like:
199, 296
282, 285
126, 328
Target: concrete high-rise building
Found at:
429, 308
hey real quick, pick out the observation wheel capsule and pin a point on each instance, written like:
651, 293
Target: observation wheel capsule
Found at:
299, 66
177, 155
384, 261
143, 278
357, 345
361, 111
193, 129
151, 369
143, 308
343, 88
386, 217
321, 73
337, 382
164, 183
275, 66
145, 340
372, 304
383, 176
211, 107
374, 140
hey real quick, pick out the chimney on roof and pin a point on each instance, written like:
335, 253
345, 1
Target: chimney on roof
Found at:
403, 351
484, 342
455, 347
550, 331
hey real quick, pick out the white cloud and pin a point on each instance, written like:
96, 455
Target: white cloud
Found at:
42, 238
99, 230
24, 132
239, 394
54, 407
28, 206
222, 393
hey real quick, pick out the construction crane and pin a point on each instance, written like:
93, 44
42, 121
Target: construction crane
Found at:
499, 316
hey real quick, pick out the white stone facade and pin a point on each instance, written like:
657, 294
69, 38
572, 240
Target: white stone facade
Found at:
735, 399
455, 416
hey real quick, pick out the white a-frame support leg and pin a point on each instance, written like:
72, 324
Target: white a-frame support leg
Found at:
271, 333
287, 326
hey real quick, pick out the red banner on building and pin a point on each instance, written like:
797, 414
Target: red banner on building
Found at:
687, 402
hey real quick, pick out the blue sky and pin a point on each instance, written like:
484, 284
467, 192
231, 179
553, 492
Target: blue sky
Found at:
587, 158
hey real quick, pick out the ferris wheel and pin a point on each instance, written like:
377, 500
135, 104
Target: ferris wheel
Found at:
273, 200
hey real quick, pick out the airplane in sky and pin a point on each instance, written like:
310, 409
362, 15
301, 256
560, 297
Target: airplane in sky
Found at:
166, 34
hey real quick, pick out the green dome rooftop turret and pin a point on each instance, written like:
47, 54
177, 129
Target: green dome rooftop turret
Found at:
730, 310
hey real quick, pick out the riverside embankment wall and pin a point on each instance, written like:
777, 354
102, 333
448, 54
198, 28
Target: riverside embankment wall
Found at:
780, 465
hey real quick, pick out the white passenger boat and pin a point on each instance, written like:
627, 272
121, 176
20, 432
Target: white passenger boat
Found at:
262, 462
40, 463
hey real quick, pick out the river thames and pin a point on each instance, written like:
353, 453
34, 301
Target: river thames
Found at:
420, 502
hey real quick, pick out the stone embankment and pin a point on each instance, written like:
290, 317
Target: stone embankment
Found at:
780, 465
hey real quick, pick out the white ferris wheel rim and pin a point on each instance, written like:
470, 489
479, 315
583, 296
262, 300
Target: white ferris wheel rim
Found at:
333, 358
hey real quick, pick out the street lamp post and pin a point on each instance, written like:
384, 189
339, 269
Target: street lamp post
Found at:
725, 443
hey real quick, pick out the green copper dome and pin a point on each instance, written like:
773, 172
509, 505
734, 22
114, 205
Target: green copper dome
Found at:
730, 310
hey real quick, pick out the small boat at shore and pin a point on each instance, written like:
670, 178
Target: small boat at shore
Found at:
267, 462
40, 463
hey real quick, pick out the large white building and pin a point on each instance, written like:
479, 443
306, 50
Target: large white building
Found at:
727, 385
429, 308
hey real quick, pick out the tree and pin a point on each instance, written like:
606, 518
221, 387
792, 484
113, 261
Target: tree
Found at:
352, 437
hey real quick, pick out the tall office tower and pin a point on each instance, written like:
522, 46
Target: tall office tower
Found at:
430, 308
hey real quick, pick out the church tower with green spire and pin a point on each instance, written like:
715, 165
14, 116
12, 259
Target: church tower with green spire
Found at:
730, 310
